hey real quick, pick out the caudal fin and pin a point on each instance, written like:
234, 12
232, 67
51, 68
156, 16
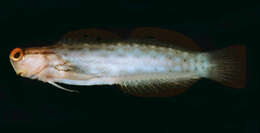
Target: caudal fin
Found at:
229, 66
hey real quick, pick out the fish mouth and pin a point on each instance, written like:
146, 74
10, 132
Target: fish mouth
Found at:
28, 76
20, 73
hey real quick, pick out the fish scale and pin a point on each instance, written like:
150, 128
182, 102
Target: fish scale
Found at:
157, 57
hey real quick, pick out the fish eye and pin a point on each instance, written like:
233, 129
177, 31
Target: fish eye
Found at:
17, 54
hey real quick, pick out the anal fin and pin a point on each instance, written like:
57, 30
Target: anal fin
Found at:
156, 88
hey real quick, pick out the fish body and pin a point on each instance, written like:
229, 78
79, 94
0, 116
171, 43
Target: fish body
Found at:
141, 67
121, 60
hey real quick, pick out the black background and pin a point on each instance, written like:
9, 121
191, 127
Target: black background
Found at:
206, 107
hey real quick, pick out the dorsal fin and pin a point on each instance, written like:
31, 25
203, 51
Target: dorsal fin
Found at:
90, 34
165, 35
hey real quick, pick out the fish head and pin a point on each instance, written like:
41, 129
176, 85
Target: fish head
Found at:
27, 64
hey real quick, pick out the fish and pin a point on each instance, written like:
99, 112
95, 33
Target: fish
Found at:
152, 62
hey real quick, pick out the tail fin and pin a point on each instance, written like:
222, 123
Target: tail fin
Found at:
229, 66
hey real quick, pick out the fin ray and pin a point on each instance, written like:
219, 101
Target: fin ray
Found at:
229, 66
156, 87
166, 36
90, 34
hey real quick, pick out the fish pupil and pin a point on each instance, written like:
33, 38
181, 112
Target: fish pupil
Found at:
17, 55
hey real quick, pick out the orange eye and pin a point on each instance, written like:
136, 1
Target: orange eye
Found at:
17, 54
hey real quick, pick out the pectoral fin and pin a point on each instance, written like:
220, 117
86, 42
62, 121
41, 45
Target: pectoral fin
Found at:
71, 72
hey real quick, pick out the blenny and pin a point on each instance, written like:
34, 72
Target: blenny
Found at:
165, 65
